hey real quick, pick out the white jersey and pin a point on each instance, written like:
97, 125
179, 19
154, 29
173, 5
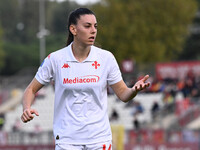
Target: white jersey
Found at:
80, 110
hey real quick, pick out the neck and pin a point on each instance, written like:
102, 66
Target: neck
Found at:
80, 52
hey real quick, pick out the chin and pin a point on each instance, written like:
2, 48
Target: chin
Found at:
90, 44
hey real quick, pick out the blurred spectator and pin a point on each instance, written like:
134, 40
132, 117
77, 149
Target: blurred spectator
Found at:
195, 93
154, 109
2, 121
136, 123
114, 115
167, 98
180, 85
188, 87
137, 108
156, 86
17, 125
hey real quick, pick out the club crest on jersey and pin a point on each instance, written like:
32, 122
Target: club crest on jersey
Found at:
96, 64
65, 66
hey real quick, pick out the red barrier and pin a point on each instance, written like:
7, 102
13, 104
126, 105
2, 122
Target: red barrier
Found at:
162, 140
164, 146
27, 147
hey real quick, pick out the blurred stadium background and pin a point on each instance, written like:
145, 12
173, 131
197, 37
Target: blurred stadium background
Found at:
156, 37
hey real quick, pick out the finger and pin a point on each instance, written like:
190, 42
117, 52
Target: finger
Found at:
29, 114
148, 84
137, 88
26, 116
140, 87
145, 78
143, 86
33, 111
24, 119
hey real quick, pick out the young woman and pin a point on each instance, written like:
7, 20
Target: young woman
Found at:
81, 73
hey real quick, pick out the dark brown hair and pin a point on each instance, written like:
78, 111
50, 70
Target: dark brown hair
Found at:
73, 17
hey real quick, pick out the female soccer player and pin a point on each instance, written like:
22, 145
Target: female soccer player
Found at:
81, 73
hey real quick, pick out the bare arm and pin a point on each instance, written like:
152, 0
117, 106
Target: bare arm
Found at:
28, 98
126, 94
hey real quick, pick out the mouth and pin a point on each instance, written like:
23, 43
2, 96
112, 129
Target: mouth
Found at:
92, 38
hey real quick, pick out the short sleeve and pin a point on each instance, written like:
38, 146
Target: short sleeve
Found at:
45, 72
114, 74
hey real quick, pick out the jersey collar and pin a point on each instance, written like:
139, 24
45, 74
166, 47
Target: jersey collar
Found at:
91, 57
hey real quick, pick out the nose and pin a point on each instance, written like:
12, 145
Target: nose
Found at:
93, 30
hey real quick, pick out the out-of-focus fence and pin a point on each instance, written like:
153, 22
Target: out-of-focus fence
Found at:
133, 140
26, 141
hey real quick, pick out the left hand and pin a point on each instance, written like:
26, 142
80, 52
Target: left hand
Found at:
141, 84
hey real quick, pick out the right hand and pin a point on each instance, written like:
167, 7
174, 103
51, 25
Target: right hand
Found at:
28, 115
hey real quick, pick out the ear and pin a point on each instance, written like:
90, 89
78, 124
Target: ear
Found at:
72, 29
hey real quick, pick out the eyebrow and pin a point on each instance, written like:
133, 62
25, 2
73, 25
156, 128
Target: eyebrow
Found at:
90, 23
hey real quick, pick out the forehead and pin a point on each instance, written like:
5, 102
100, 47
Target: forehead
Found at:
87, 19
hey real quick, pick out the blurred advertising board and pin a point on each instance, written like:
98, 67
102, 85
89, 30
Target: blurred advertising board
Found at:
177, 70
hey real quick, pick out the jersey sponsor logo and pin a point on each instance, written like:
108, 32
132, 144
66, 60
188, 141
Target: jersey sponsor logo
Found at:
83, 79
65, 66
96, 64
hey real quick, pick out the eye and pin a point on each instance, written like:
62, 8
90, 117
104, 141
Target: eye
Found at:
87, 26
95, 26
